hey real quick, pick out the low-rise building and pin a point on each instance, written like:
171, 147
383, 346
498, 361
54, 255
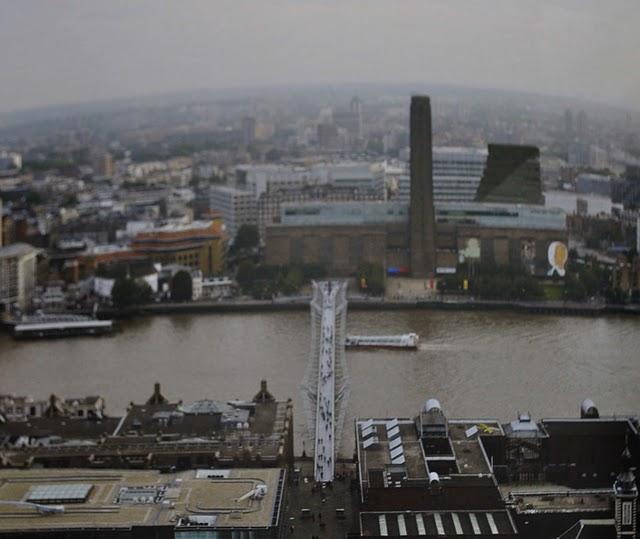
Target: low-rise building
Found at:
431, 476
155, 434
199, 245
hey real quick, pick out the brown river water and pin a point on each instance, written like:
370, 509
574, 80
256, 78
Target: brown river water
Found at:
490, 364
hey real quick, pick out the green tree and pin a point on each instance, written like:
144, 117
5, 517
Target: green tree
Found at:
69, 200
247, 237
33, 198
574, 290
127, 292
292, 281
181, 286
246, 275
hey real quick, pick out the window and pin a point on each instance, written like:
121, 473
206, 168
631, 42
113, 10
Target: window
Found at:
627, 513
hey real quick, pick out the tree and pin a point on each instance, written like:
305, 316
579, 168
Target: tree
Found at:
181, 286
371, 278
69, 200
33, 198
292, 281
247, 237
246, 275
127, 292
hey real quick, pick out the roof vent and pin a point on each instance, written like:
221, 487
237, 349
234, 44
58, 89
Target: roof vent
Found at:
432, 404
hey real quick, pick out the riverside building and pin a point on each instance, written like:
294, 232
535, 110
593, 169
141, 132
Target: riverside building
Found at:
157, 433
341, 235
200, 245
433, 476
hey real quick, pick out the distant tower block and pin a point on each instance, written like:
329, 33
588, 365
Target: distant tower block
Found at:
422, 213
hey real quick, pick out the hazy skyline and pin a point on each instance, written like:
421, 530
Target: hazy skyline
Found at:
75, 51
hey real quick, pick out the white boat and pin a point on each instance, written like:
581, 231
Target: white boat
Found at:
59, 325
408, 341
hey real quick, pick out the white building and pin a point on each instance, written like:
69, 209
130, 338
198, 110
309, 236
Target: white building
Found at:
261, 179
10, 162
237, 206
217, 288
574, 203
17, 275
456, 175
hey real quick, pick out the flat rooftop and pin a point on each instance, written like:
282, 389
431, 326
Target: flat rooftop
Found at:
118, 498
464, 429
550, 497
377, 456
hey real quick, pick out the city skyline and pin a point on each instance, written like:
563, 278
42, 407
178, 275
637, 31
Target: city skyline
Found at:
77, 52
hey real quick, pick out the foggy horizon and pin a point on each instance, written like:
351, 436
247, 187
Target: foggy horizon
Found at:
79, 53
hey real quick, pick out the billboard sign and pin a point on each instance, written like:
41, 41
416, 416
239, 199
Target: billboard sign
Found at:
557, 255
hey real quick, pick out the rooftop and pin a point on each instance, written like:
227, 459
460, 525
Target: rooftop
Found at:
376, 457
17, 249
119, 498
549, 497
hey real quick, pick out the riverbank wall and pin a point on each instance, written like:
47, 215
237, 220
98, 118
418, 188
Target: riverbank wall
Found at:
359, 304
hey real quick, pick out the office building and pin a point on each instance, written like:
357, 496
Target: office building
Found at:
274, 185
141, 504
328, 136
237, 207
362, 175
270, 203
569, 132
10, 163
350, 120
17, 275
597, 184
103, 164
512, 175
626, 190
199, 245
456, 175
248, 130
422, 214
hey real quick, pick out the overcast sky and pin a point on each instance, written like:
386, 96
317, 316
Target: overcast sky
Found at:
64, 51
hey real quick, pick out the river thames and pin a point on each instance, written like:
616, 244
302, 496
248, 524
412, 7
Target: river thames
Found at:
480, 364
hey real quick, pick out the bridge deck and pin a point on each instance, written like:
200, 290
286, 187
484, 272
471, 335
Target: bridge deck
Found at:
324, 454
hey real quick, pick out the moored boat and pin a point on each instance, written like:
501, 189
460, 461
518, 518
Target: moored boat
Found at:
59, 325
